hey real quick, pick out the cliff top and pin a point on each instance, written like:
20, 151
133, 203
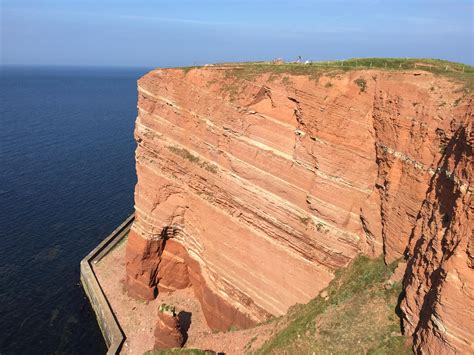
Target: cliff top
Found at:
248, 70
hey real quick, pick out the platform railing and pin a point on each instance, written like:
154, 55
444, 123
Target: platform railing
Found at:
110, 327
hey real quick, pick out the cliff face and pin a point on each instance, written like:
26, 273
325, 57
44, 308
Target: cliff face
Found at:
253, 189
439, 282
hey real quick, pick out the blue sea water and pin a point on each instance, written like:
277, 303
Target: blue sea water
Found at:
66, 181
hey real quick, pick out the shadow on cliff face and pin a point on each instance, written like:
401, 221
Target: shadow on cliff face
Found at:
433, 229
399, 311
444, 190
184, 321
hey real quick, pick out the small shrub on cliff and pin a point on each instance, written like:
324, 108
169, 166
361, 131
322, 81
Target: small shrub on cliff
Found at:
362, 84
442, 147
304, 220
321, 227
167, 308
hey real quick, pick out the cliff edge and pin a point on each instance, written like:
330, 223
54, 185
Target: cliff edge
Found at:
256, 182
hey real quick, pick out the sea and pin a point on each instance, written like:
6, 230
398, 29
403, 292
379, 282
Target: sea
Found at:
67, 174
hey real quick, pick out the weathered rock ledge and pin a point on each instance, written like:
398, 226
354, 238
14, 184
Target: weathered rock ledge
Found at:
253, 190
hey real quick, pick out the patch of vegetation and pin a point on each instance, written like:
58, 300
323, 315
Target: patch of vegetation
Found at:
328, 84
361, 83
184, 153
442, 147
167, 308
211, 167
321, 227
184, 351
358, 315
249, 344
304, 220
249, 70
187, 69
286, 81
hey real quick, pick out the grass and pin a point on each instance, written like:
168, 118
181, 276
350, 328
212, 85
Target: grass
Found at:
185, 154
304, 220
167, 308
361, 83
359, 316
188, 69
249, 344
286, 81
250, 70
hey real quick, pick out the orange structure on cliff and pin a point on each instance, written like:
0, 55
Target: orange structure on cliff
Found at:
254, 189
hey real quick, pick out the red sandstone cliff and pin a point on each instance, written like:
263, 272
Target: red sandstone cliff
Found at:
167, 331
253, 190
439, 282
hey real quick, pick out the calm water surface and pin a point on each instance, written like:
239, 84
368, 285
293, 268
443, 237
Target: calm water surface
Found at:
66, 181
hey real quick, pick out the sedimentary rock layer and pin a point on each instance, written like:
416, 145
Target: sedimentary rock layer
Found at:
439, 284
167, 332
254, 189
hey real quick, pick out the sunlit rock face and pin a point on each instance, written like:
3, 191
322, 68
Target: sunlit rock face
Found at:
439, 283
254, 189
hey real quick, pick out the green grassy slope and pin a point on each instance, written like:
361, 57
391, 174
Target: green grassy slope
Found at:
359, 315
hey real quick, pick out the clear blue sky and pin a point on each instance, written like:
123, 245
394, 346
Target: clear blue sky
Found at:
184, 32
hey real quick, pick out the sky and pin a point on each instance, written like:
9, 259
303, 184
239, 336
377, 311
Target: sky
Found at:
166, 33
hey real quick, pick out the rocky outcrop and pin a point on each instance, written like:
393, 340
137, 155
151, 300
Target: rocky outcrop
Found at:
167, 331
253, 189
439, 284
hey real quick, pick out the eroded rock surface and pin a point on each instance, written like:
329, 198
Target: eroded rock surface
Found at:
439, 284
253, 190
167, 331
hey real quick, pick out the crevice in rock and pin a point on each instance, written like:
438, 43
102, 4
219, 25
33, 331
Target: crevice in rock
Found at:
370, 238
